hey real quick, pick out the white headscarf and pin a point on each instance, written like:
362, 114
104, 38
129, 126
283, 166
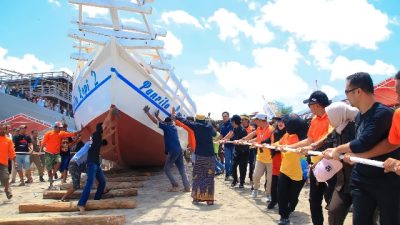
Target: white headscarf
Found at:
340, 114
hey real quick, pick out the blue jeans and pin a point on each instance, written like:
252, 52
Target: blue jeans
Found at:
177, 159
93, 170
219, 167
228, 152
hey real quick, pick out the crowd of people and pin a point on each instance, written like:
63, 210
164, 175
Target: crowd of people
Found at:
360, 127
40, 101
281, 148
53, 153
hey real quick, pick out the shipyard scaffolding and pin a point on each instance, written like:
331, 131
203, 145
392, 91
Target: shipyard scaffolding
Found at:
52, 88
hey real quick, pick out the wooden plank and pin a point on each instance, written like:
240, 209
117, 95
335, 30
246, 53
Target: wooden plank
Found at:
109, 185
66, 220
72, 206
77, 194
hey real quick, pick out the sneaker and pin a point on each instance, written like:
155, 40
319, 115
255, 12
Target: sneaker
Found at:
41, 179
284, 222
233, 183
254, 193
241, 185
268, 198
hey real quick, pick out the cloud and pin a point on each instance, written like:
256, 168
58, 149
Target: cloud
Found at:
349, 23
29, 63
230, 26
172, 45
55, 2
343, 67
330, 91
91, 11
340, 66
131, 20
180, 17
273, 75
321, 53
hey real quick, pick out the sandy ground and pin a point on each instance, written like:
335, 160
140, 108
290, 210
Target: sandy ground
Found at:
157, 206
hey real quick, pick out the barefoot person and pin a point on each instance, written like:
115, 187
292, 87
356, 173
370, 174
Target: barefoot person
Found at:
94, 169
172, 149
6, 152
204, 166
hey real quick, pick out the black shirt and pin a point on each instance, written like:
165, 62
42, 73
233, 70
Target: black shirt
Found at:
21, 143
239, 133
94, 150
371, 128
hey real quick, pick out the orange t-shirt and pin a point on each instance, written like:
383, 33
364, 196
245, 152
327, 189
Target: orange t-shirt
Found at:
264, 155
394, 134
52, 141
319, 128
191, 137
6, 150
249, 129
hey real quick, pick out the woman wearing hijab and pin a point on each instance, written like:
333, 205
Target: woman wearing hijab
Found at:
341, 116
290, 180
276, 156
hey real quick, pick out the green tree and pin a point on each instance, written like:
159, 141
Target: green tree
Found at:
282, 109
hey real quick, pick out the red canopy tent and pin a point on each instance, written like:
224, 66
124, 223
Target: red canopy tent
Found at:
385, 92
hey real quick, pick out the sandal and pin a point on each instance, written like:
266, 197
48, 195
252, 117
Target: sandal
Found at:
9, 194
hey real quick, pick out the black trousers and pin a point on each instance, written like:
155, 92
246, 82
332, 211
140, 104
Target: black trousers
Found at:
240, 158
339, 207
366, 198
274, 188
288, 195
318, 191
252, 162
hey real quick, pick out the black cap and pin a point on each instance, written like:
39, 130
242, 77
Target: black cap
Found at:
318, 97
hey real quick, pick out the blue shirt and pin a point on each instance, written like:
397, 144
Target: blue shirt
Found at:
371, 128
81, 156
171, 140
224, 130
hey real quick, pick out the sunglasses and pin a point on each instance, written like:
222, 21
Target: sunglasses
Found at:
351, 90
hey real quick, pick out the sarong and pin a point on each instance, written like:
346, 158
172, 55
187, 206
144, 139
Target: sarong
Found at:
203, 179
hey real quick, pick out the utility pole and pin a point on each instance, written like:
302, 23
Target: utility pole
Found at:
316, 85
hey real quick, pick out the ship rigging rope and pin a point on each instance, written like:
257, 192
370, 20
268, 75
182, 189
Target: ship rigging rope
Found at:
369, 162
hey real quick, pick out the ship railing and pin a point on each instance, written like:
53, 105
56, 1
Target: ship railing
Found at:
55, 92
5, 77
93, 32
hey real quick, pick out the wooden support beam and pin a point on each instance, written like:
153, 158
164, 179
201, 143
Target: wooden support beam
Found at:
128, 174
126, 203
109, 185
66, 220
77, 194
126, 179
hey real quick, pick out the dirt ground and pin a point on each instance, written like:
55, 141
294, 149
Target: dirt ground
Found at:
157, 206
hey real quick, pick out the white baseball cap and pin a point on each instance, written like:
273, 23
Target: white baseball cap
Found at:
260, 116
326, 169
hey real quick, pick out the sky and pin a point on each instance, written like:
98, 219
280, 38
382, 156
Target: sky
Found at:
230, 53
